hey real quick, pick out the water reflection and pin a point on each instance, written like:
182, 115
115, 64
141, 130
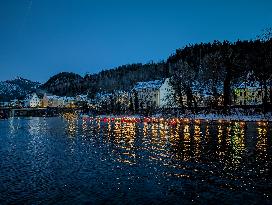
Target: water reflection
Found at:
72, 126
172, 141
186, 142
222, 148
12, 128
262, 137
237, 143
35, 125
123, 135
263, 149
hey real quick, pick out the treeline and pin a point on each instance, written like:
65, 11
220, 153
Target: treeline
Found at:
217, 67
124, 77
64, 84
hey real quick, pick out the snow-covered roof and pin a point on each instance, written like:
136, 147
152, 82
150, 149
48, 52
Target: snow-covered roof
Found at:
120, 92
149, 84
253, 85
206, 89
64, 98
53, 97
68, 98
82, 97
103, 95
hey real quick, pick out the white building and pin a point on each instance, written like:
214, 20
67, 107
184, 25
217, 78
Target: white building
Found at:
166, 95
52, 101
32, 101
148, 93
157, 93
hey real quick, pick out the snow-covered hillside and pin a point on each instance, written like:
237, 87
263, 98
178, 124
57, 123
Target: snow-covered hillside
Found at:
16, 88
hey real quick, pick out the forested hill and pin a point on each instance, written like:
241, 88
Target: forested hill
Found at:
210, 64
217, 65
64, 83
122, 77
125, 77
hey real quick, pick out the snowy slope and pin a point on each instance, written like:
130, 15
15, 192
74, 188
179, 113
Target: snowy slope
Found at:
16, 88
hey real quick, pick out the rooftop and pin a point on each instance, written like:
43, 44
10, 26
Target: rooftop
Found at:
148, 84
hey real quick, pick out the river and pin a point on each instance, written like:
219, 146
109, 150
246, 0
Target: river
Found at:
128, 161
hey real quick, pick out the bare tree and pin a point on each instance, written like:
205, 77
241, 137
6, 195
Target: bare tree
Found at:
182, 82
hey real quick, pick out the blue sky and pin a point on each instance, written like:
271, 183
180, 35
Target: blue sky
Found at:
39, 38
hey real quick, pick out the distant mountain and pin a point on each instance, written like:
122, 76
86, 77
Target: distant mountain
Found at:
16, 88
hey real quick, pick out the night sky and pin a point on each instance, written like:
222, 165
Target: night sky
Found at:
39, 38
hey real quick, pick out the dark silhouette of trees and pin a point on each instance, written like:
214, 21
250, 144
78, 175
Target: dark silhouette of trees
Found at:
136, 102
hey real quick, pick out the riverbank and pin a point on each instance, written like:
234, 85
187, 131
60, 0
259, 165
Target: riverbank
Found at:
211, 117
235, 115
232, 117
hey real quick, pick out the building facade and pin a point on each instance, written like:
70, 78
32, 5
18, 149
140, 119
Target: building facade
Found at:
148, 93
249, 93
167, 95
32, 101
52, 101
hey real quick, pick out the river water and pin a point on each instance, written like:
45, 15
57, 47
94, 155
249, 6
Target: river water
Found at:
116, 161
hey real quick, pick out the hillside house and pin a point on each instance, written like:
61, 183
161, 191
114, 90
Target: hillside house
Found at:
103, 99
167, 95
148, 93
32, 101
69, 102
52, 101
157, 93
250, 93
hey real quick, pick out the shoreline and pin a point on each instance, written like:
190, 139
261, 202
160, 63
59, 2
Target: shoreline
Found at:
208, 117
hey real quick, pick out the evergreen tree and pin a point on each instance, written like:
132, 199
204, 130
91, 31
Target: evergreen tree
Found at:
131, 107
136, 102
